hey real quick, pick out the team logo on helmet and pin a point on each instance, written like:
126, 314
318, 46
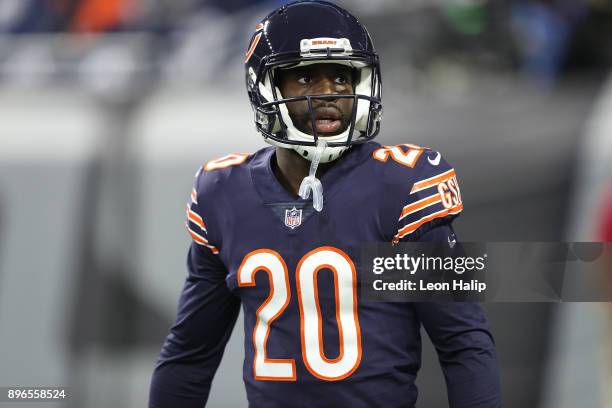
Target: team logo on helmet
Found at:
254, 43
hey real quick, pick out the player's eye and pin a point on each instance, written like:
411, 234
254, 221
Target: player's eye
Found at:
304, 79
341, 80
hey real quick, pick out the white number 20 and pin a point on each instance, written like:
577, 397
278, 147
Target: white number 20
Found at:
313, 354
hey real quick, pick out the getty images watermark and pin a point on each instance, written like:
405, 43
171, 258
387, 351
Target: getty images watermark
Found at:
491, 272
423, 264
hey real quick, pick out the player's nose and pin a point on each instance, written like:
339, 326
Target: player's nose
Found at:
326, 85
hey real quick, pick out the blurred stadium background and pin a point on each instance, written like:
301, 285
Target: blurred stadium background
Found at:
108, 107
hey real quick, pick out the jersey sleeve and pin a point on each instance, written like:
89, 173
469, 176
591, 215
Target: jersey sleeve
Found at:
196, 212
206, 315
431, 198
466, 349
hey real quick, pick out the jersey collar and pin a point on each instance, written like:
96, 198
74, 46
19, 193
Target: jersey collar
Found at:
271, 190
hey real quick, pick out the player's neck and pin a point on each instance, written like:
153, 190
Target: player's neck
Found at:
290, 169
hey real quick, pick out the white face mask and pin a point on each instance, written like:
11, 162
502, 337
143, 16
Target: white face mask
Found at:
363, 87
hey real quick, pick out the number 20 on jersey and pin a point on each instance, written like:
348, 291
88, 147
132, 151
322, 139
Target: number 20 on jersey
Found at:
311, 335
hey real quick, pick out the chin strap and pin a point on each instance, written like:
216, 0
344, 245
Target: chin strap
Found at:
311, 182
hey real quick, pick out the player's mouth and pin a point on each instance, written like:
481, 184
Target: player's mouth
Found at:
328, 120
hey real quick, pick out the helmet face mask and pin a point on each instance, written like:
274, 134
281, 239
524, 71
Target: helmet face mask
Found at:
308, 25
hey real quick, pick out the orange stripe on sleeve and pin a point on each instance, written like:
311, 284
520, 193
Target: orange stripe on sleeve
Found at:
432, 181
410, 228
202, 241
196, 219
419, 205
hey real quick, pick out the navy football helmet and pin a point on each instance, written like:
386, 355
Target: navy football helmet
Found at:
303, 33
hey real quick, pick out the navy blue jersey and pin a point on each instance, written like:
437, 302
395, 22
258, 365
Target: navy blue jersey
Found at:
310, 340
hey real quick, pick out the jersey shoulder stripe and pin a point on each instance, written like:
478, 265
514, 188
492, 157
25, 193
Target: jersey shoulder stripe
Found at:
214, 180
432, 181
194, 221
433, 196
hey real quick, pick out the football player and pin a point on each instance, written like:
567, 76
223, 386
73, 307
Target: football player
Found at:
279, 232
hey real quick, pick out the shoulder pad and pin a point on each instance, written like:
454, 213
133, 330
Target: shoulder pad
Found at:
427, 185
208, 179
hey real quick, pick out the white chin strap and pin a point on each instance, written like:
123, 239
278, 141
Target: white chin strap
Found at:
311, 182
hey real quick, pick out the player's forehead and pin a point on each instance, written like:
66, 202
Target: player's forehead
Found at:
323, 68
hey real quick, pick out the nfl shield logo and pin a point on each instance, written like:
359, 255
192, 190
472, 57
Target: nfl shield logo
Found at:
293, 218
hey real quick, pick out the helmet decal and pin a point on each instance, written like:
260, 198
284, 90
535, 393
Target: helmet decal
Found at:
314, 47
252, 48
